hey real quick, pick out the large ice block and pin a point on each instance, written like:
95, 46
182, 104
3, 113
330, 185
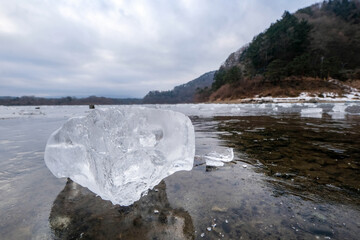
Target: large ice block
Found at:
120, 153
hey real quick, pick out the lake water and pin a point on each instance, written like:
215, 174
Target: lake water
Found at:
295, 175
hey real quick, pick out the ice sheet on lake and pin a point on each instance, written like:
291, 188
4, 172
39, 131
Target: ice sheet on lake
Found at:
218, 157
120, 153
10, 112
200, 110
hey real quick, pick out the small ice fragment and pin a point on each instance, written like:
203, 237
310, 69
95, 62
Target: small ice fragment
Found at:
312, 112
209, 229
244, 166
214, 225
156, 211
202, 235
226, 221
156, 190
338, 111
223, 155
218, 157
214, 163
120, 153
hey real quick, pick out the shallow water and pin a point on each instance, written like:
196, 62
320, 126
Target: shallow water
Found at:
293, 177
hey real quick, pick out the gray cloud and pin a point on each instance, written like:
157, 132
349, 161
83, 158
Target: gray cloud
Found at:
122, 48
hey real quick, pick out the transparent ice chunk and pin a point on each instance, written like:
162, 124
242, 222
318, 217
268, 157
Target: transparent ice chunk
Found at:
120, 153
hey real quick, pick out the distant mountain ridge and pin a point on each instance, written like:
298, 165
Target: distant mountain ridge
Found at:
184, 93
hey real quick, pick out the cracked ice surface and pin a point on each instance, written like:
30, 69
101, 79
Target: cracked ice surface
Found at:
121, 153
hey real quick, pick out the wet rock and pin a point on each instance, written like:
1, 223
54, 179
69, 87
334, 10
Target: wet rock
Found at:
210, 168
83, 214
284, 175
138, 221
163, 218
60, 223
124, 210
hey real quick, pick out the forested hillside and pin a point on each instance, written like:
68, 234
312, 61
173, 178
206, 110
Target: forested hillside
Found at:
315, 43
184, 93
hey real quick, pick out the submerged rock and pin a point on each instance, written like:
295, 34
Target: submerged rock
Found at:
78, 213
121, 153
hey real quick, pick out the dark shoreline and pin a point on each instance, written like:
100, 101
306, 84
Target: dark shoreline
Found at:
38, 101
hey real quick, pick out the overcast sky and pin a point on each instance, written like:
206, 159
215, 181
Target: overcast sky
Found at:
123, 48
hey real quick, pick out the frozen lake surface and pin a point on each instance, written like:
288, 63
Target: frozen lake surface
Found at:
295, 175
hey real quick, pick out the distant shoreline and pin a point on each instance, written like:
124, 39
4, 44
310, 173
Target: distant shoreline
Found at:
236, 101
66, 101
